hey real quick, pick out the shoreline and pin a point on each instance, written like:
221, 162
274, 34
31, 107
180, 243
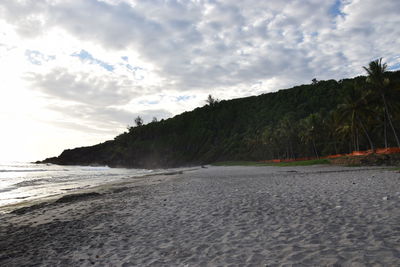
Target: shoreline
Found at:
313, 215
46, 200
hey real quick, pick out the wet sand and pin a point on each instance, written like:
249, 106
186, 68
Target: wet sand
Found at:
218, 216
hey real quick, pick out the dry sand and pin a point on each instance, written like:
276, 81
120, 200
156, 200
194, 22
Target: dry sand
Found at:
219, 216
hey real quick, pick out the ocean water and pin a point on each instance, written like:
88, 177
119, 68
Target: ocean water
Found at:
24, 182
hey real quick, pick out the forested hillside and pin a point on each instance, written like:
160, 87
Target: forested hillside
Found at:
322, 118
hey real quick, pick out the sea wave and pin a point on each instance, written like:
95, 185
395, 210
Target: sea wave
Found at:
90, 168
23, 181
26, 170
32, 182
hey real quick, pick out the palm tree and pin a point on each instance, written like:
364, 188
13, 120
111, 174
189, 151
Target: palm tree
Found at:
332, 123
376, 77
345, 132
309, 129
355, 109
271, 138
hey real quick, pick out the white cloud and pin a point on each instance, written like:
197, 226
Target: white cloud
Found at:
84, 87
146, 57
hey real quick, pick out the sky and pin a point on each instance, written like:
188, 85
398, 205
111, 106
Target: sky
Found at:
77, 72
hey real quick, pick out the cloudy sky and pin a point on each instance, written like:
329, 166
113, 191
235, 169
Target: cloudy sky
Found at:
77, 72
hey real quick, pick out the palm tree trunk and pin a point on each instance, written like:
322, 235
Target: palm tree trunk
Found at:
335, 145
291, 150
353, 131
384, 129
357, 141
390, 120
366, 133
315, 149
287, 152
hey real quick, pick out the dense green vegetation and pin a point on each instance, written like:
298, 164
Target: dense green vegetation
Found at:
321, 118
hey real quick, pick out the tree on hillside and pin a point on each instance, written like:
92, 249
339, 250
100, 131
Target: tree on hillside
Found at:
377, 78
211, 101
138, 121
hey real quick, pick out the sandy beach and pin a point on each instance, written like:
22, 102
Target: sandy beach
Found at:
217, 216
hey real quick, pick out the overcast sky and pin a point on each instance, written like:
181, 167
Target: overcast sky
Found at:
77, 72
